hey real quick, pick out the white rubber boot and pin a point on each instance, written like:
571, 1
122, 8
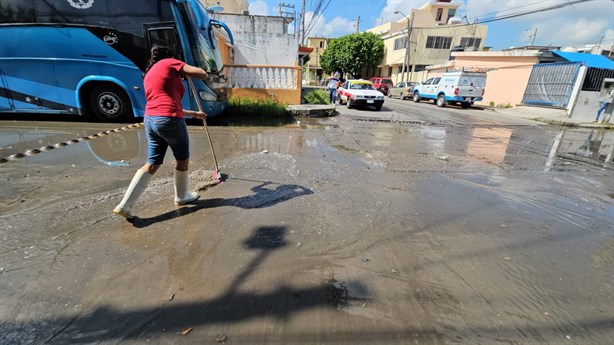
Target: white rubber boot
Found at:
182, 196
135, 189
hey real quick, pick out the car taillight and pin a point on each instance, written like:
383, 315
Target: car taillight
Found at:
456, 91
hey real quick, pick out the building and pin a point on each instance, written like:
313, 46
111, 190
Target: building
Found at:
434, 31
312, 70
230, 6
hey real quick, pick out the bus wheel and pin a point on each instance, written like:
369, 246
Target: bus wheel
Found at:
110, 104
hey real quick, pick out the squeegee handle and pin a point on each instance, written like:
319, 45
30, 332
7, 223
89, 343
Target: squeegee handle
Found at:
200, 108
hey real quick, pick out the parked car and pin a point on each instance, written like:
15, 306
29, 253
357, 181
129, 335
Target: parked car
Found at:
355, 92
453, 87
381, 84
402, 90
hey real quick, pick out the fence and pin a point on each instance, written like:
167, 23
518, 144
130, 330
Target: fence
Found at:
551, 85
279, 83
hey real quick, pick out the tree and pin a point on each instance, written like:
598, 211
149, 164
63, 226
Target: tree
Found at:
353, 53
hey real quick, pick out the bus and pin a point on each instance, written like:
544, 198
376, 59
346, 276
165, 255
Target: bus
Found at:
87, 57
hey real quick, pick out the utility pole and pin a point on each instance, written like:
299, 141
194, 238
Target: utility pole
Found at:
406, 64
303, 25
534, 34
358, 24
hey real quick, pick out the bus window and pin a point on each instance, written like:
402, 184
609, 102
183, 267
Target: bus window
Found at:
164, 34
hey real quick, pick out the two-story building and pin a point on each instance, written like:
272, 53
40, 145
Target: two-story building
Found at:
312, 70
434, 31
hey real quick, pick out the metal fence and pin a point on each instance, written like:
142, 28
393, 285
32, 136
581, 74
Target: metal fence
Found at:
594, 78
551, 85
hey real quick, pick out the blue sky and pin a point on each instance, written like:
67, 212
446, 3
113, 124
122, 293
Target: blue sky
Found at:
575, 25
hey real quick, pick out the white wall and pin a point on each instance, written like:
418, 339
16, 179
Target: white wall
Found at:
586, 107
261, 40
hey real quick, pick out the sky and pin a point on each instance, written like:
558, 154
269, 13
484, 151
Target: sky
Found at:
590, 22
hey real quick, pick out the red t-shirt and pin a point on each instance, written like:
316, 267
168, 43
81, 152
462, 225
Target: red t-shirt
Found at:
164, 89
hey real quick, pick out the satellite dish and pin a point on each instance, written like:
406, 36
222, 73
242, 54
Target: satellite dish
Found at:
215, 9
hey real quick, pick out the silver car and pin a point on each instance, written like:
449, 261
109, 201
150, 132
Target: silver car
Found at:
402, 90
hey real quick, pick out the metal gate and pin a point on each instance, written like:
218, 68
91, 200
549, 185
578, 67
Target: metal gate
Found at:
550, 85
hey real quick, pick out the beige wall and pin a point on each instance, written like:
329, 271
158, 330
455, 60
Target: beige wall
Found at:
507, 76
230, 6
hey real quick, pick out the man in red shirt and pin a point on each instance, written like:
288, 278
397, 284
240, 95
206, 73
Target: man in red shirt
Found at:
165, 126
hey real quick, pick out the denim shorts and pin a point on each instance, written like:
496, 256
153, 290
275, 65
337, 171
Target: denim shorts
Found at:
165, 131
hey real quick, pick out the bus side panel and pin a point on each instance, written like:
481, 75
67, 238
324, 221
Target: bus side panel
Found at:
4, 94
32, 85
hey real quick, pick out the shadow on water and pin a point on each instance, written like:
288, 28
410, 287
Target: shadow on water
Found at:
263, 197
107, 324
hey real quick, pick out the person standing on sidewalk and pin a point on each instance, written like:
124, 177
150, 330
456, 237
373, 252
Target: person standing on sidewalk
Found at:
605, 103
332, 89
165, 126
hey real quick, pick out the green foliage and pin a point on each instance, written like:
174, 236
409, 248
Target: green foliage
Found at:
491, 103
255, 107
317, 97
353, 53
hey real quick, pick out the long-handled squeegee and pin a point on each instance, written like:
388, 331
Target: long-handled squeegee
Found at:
217, 176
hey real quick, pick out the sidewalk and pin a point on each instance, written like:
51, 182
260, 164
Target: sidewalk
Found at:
549, 115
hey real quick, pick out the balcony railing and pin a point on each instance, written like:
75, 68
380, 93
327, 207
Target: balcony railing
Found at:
263, 77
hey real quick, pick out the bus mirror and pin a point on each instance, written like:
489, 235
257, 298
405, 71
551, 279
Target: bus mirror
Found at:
215, 9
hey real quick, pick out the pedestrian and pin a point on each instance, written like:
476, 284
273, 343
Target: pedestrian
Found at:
605, 102
332, 89
165, 126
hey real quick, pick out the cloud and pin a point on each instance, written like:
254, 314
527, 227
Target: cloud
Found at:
387, 14
258, 8
577, 24
338, 26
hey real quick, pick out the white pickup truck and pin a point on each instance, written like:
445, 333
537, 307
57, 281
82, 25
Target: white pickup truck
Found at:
452, 87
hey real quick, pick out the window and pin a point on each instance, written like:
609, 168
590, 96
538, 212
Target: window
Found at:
428, 81
400, 43
420, 68
451, 12
470, 42
401, 70
401, 84
436, 81
389, 74
321, 44
438, 42
439, 14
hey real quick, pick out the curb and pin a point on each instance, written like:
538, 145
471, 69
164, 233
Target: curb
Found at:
312, 110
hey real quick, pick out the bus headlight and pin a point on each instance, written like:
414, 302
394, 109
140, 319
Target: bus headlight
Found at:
205, 96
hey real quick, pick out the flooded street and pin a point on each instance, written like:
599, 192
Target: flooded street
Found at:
363, 228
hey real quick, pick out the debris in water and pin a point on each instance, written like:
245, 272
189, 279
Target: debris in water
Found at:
203, 178
444, 157
186, 331
364, 305
264, 152
568, 337
503, 225
220, 338
366, 259
507, 258
395, 271
172, 297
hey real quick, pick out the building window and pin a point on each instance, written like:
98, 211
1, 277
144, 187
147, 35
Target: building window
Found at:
470, 42
321, 44
420, 68
439, 14
390, 71
451, 12
438, 42
400, 69
400, 43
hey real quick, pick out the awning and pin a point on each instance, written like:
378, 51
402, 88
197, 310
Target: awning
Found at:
590, 60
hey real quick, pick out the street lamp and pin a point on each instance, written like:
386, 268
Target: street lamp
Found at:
406, 60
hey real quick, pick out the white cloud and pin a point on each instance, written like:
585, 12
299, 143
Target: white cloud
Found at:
258, 8
387, 14
577, 24
338, 26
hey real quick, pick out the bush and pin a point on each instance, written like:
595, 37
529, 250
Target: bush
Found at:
255, 107
317, 97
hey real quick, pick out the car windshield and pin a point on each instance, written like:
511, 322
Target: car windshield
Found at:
361, 86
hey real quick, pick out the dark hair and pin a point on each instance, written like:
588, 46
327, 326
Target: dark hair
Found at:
158, 53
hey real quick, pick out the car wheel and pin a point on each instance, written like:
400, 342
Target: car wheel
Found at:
401, 96
441, 101
339, 100
389, 94
110, 103
348, 103
416, 97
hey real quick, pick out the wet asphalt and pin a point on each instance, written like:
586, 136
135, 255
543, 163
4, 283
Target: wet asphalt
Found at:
410, 225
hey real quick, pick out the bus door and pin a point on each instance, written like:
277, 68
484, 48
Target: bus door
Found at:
164, 34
